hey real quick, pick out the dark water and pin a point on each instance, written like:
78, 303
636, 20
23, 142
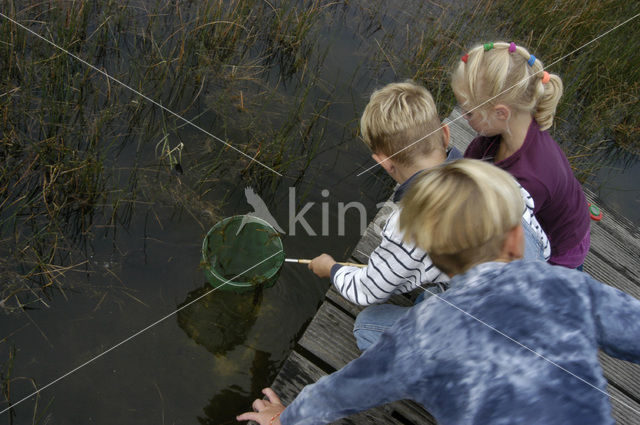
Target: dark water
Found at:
206, 363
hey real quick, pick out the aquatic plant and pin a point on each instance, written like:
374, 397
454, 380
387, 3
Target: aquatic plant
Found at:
76, 143
598, 116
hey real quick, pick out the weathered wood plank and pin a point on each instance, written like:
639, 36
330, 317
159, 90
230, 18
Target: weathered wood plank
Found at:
329, 336
623, 374
613, 238
340, 301
605, 272
625, 411
460, 131
297, 372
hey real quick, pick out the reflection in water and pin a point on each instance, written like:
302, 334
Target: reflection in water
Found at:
224, 406
221, 322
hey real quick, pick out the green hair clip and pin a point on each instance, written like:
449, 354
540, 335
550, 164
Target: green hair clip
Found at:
488, 46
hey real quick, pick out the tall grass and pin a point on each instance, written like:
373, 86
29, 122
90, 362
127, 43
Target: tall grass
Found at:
598, 118
79, 150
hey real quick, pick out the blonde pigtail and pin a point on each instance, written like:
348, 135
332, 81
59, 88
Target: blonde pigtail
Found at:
547, 103
505, 73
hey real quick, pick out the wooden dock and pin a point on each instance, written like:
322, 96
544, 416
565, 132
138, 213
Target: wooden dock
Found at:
328, 343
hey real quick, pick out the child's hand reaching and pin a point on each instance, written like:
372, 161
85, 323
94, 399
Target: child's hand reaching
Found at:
265, 412
321, 265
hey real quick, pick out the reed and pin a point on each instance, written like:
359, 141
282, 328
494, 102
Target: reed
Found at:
598, 116
80, 150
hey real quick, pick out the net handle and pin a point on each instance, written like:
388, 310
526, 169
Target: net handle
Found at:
307, 261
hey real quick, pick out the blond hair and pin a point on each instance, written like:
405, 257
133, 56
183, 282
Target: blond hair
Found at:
460, 213
498, 76
401, 120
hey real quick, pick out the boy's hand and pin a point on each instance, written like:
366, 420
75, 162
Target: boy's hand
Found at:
264, 410
321, 265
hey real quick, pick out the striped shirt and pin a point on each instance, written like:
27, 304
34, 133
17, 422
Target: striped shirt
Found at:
397, 267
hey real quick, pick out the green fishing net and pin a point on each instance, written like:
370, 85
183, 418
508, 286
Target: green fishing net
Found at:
242, 252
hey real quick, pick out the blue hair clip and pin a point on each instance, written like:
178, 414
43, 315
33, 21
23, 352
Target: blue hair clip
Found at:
531, 60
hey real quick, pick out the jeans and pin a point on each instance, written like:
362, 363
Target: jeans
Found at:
376, 319
533, 249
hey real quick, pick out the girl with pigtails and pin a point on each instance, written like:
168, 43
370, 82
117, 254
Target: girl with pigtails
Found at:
510, 101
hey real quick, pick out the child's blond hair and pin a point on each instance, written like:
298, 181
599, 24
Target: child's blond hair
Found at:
401, 120
460, 213
500, 73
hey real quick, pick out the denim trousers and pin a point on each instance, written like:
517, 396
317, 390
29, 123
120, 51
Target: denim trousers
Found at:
376, 319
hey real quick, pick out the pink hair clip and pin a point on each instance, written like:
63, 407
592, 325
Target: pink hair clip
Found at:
464, 58
545, 77
512, 47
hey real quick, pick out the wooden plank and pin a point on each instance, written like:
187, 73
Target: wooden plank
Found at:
625, 411
330, 336
621, 373
413, 411
614, 239
297, 372
460, 131
334, 296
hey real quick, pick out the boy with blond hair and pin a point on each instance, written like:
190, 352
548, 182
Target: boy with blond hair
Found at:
510, 342
401, 127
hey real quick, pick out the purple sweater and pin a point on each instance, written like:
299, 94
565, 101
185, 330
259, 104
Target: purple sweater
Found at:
543, 170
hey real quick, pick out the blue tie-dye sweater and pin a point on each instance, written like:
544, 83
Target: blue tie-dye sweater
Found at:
512, 343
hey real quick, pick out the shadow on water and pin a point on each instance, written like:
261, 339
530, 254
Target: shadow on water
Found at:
221, 320
221, 323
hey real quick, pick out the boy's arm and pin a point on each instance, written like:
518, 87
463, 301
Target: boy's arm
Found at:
617, 320
393, 267
356, 387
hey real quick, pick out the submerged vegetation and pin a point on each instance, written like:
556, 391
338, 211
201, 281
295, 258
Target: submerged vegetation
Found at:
80, 150
86, 156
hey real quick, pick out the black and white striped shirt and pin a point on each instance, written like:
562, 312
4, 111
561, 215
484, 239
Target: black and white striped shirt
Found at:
396, 266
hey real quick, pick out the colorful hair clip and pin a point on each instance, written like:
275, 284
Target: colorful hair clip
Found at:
532, 60
465, 57
512, 47
545, 77
488, 46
